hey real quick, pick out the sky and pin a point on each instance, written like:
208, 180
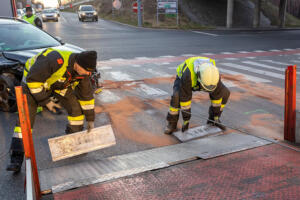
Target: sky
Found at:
50, 3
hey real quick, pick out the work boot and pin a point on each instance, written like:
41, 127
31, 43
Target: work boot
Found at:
16, 161
171, 127
216, 123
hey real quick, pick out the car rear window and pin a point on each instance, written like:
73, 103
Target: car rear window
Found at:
87, 8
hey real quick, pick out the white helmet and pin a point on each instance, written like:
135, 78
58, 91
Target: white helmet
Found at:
208, 76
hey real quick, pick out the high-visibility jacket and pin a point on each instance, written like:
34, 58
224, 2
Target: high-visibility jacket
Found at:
188, 81
52, 71
30, 19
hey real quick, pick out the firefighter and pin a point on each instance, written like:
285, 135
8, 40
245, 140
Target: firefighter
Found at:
32, 19
196, 74
64, 75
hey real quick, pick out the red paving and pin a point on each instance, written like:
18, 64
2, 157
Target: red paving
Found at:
268, 172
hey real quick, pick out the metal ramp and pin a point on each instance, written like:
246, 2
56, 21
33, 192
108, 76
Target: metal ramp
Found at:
90, 172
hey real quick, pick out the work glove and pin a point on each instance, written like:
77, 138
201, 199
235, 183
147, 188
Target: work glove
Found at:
90, 126
185, 126
53, 107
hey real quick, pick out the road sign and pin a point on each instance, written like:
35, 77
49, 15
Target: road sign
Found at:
135, 7
117, 4
167, 8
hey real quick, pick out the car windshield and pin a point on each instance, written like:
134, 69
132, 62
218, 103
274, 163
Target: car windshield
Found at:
49, 11
87, 8
15, 37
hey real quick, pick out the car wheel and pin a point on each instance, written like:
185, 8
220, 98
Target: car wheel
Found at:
7, 94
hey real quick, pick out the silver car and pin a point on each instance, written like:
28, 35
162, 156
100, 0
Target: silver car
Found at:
49, 14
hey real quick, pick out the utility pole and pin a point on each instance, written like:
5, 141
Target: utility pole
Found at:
256, 21
230, 4
282, 12
139, 2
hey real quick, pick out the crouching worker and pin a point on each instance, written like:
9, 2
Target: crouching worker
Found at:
61, 74
196, 74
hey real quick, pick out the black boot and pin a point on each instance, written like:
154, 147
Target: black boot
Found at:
17, 155
171, 127
172, 124
214, 120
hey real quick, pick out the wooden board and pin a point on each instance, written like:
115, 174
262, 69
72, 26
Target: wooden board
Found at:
67, 146
197, 132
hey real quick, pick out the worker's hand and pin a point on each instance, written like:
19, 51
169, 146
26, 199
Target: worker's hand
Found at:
90, 126
53, 107
185, 126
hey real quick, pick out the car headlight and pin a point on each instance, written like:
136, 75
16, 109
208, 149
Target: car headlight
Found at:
95, 13
43, 15
83, 14
55, 15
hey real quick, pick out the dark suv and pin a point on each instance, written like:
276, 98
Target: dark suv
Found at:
87, 12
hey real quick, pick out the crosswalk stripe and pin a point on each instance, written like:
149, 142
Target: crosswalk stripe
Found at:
266, 66
253, 70
120, 76
107, 96
246, 76
275, 62
243, 52
263, 65
150, 91
158, 73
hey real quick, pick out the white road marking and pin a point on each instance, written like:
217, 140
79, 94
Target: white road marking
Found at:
117, 59
226, 53
142, 58
251, 57
104, 68
248, 77
172, 68
243, 52
207, 54
229, 84
204, 33
253, 70
275, 50
157, 73
107, 96
120, 76
150, 91
267, 66
288, 49
136, 65
276, 62
168, 56
188, 55
263, 65
296, 61
259, 51
231, 58
164, 63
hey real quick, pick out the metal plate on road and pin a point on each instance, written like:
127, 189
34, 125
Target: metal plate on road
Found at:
91, 172
67, 146
197, 132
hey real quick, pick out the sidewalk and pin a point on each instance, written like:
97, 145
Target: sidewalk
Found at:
267, 172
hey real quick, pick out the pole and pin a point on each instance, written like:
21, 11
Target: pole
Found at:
290, 104
27, 136
230, 4
282, 12
256, 20
177, 13
139, 13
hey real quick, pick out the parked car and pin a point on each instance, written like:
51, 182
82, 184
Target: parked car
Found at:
49, 14
20, 41
20, 13
87, 12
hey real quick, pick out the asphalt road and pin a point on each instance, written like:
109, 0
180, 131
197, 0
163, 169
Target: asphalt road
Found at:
138, 66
